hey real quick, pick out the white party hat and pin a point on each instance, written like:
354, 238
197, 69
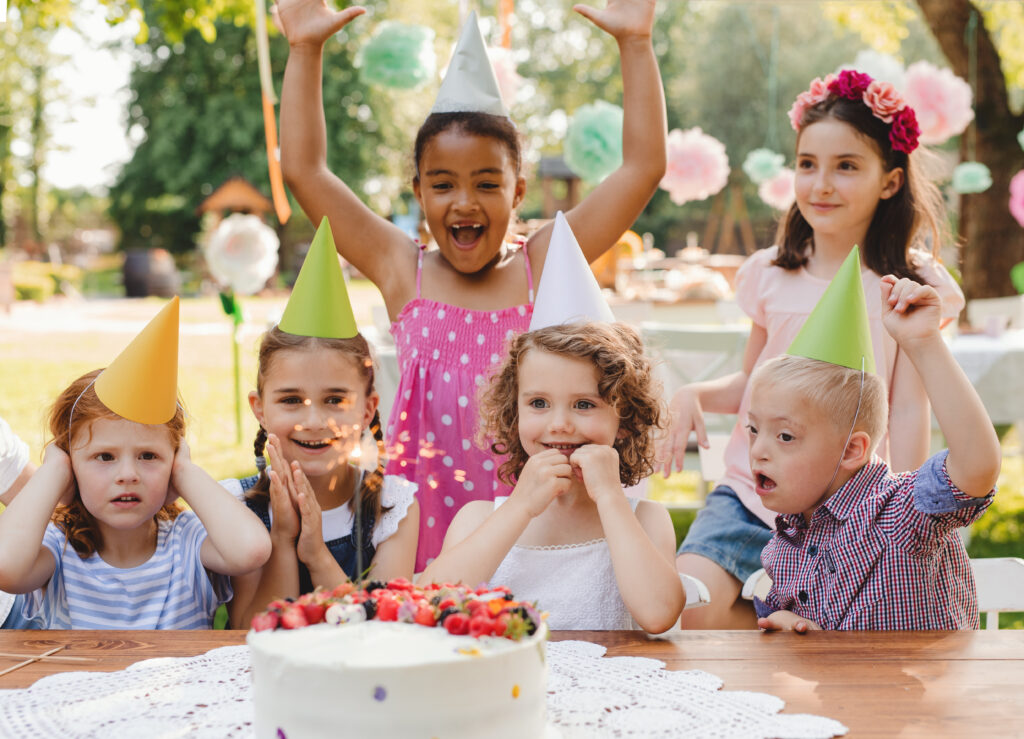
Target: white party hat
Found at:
568, 290
470, 85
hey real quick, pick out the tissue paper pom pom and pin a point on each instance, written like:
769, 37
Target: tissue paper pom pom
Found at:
697, 166
1017, 197
878, 66
940, 99
242, 253
1020, 138
399, 55
970, 177
508, 78
593, 143
762, 164
778, 191
1017, 276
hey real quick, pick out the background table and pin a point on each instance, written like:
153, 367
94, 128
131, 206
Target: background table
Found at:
880, 684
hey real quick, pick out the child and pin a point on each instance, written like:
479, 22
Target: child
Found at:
15, 471
453, 308
858, 546
328, 519
118, 553
574, 408
856, 183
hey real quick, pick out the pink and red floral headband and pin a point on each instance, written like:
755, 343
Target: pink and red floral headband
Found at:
886, 104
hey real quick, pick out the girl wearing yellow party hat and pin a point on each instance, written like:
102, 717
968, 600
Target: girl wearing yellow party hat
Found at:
454, 307
331, 511
96, 537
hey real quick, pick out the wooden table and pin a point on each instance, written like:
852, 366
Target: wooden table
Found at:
885, 684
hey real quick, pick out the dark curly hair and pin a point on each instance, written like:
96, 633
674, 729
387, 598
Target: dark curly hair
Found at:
912, 218
624, 382
79, 526
356, 348
486, 125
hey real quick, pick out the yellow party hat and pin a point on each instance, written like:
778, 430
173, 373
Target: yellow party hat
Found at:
837, 330
319, 304
141, 384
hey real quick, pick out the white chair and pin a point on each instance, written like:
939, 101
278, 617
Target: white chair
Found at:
999, 580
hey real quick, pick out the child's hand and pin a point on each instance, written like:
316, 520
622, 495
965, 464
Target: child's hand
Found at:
622, 18
310, 545
545, 476
283, 510
685, 415
57, 460
311, 22
597, 465
910, 311
787, 621
182, 460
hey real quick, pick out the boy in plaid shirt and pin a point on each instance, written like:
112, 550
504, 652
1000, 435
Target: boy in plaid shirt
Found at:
857, 546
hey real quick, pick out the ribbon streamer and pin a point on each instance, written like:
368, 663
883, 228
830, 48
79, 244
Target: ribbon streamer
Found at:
277, 192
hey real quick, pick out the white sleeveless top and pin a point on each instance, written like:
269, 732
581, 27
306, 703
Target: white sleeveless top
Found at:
574, 583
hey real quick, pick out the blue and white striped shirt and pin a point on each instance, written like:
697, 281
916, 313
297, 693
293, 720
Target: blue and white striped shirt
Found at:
172, 590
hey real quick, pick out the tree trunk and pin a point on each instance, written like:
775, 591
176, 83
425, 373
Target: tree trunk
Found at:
992, 240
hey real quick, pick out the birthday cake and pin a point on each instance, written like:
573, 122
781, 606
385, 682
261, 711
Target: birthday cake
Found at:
396, 660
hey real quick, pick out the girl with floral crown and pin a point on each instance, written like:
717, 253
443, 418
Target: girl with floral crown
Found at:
454, 307
858, 181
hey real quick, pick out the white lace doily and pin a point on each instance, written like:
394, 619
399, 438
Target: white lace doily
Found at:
588, 696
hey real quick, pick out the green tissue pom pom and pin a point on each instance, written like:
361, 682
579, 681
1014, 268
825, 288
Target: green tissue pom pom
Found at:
971, 177
1017, 276
762, 164
399, 56
593, 143
1020, 138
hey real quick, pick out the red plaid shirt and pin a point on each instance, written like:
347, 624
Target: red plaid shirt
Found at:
882, 553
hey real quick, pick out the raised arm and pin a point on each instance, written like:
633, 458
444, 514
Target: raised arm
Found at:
911, 314
25, 564
371, 243
612, 207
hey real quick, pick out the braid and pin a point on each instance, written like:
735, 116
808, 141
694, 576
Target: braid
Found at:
261, 488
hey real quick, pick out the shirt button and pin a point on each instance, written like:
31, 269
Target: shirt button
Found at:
802, 595
812, 550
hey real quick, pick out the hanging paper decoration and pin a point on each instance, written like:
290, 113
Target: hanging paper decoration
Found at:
242, 253
697, 166
879, 66
508, 78
1020, 138
971, 177
1017, 276
778, 191
399, 55
593, 143
762, 164
1017, 197
941, 101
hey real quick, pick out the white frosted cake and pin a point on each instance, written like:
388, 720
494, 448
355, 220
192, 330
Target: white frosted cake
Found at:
400, 677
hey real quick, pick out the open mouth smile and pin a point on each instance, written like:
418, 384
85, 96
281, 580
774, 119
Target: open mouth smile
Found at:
566, 449
466, 235
313, 445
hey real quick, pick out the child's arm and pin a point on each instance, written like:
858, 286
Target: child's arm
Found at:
236, 540
910, 418
396, 555
911, 314
642, 546
613, 206
25, 564
480, 537
721, 395
373, 245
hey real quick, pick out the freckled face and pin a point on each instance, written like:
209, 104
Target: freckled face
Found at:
468, 189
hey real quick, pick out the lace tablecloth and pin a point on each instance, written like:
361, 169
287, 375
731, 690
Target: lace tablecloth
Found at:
588, 696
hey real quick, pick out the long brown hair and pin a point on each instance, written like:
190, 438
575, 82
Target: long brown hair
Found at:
78, 524
357, 349
914, 217
624, 382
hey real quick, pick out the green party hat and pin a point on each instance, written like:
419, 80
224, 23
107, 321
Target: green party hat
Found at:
837, 330
319, 304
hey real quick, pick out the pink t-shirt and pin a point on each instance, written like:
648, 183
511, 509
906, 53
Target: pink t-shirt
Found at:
780, 300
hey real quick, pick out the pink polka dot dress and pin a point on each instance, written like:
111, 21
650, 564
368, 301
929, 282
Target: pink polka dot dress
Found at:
445, 354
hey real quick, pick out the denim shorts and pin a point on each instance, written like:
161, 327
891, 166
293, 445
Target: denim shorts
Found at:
728, 534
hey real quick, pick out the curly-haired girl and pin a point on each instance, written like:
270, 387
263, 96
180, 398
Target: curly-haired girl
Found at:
574, 408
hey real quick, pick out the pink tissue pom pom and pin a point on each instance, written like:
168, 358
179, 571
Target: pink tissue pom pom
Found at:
509, 80
1017, 197
778, 192
697, 166
941, 100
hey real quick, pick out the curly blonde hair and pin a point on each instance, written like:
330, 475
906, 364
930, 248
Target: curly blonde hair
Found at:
624, 382
79, 526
